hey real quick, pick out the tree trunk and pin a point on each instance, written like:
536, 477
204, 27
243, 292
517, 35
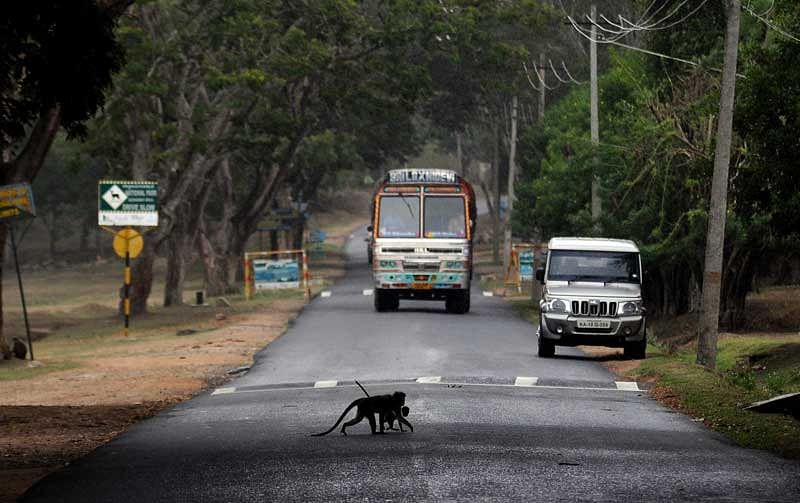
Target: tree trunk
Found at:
141, 280
5, 339
715, 238
176, 271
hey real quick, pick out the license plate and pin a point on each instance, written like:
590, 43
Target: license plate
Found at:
594, 324
421, 286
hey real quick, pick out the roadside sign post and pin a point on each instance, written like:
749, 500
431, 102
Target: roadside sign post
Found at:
127, 204
16, 201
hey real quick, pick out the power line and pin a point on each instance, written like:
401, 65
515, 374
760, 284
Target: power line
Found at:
771, 25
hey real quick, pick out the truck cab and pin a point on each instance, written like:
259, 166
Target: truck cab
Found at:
592, 296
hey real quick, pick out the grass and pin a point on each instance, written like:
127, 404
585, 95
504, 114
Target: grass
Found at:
749, 369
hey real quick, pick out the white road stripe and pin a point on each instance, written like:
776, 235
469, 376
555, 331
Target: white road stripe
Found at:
326, 293
325, 384
429, 380
627, 385
526, 381
223, 391
368, 291
488, 294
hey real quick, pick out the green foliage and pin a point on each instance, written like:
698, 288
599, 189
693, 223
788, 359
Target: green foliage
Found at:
54, 53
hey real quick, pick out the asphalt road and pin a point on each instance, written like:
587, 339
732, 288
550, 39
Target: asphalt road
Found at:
492, 423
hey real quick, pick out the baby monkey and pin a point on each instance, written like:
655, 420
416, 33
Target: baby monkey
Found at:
389, 418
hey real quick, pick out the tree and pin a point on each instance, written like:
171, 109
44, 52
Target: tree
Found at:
57, 62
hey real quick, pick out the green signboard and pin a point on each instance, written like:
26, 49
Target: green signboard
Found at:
126, 203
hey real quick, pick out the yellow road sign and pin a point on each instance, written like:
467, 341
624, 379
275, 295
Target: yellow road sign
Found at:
128, 240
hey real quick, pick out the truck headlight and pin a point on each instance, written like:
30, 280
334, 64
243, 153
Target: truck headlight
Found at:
632, 308
455, 265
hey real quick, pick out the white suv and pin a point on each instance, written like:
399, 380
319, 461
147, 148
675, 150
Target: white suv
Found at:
592, 296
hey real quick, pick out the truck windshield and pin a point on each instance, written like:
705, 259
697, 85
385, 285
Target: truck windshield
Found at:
445, 217
611, 267
399, 217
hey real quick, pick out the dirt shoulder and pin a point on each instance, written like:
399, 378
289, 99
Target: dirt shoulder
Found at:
91, 384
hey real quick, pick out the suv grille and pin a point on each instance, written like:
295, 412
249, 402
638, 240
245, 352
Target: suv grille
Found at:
594, 308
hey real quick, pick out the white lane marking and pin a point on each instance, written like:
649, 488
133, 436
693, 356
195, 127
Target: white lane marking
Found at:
460, 384
326, 293
627, 385
325, 384
429, 380
223, 391
488, 294
526, 381
367, 292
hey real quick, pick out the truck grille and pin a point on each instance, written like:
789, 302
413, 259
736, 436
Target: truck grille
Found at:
417, 266
444, 250
598, 308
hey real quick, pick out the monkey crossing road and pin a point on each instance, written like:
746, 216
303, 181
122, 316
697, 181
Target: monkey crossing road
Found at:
492, 422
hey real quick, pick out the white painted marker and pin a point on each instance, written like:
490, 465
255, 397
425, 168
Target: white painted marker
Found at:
324, 294
627, 385
488, 294
367, 292
325, 384
429, 380
526, 381
224, 391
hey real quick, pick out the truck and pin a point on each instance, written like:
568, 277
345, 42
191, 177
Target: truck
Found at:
423, 223
592, 296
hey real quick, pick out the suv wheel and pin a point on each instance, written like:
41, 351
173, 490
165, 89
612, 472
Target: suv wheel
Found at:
547, 349
636, 350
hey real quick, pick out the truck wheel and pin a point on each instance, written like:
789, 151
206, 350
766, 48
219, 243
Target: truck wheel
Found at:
546, 348
458, 303
385, 301
636, 350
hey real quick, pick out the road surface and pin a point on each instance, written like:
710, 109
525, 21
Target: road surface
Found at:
493, 422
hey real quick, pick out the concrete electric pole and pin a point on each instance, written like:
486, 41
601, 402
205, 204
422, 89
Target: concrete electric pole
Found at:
595, 120
512, 175
715, 237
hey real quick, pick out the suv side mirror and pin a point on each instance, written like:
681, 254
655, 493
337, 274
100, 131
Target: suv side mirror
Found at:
369, 228
540, 275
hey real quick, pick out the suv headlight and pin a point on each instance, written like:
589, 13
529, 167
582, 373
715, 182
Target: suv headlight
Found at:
629, 308
554, 306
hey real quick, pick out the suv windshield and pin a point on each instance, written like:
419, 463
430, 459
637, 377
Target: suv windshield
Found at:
445, 217
616, 267
399, 217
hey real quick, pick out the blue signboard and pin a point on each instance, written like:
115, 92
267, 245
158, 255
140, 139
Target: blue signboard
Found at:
269, 274
526, 265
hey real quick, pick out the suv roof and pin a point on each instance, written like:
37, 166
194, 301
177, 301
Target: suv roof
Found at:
593, 244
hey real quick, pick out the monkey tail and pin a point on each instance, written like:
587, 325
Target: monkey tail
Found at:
340, 418
362, 387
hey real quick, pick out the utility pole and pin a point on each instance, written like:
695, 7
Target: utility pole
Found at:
512, 175
496, 190
715, 237
462, 170
595, 120
542, 89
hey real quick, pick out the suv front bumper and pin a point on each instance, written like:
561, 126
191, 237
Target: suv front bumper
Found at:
623, 329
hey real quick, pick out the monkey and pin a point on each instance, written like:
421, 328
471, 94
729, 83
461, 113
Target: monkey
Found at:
368, 407
389, 418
